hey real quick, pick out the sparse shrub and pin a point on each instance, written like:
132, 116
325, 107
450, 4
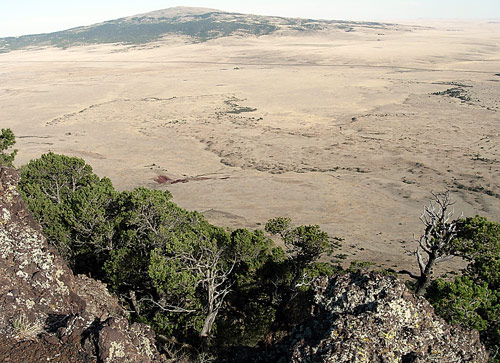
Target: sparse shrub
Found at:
26, 329
360, 266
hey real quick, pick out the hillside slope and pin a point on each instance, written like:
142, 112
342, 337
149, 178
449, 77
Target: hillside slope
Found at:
197, 24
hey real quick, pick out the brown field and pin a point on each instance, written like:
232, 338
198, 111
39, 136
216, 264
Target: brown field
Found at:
340, 129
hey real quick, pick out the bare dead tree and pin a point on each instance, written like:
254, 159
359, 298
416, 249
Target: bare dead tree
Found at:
434, 245
211, 266
215, 281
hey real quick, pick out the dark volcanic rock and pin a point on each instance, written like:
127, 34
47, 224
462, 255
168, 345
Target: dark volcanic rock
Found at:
374, 318
47, 313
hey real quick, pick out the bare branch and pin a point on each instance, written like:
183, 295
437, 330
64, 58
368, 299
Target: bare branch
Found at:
167, 307
435, 242
444, 258
420, 260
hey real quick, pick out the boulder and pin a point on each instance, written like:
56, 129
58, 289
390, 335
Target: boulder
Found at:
375, 318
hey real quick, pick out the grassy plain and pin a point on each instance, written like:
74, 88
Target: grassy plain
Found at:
351, 130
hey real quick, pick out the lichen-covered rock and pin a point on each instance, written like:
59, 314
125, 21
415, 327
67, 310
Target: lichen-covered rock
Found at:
48, 314
374, 318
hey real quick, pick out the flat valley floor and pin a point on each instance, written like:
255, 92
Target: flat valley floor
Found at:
348, 130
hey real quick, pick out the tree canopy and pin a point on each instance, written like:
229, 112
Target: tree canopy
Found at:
69, 201
194, 282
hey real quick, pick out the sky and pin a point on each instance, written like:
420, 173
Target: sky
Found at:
19, 17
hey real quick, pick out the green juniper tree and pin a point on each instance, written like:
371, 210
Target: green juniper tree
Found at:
473, 299
7, 140
304, 245
71, 203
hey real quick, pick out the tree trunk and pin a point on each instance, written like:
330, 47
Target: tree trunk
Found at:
424, 280
212, 313
209, 322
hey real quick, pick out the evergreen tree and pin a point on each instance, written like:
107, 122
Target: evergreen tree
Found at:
7, 140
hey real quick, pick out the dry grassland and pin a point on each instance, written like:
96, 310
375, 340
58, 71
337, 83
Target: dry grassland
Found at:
349, 130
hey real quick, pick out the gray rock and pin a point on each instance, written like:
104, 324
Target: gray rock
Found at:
374, 318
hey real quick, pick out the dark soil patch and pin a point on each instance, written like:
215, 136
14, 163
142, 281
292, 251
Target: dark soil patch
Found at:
163, 179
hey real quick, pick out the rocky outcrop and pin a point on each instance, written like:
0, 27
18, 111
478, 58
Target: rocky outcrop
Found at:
374, 318
47, 313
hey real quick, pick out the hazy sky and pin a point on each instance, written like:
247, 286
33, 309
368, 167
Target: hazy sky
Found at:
19, 17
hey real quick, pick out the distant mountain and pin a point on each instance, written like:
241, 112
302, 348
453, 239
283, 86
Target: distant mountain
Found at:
198, 24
